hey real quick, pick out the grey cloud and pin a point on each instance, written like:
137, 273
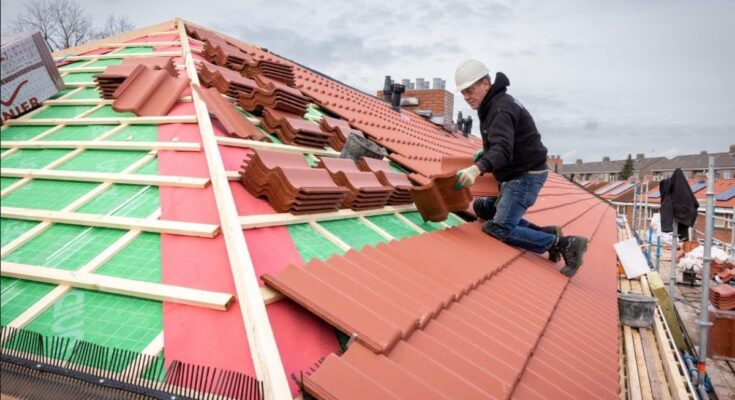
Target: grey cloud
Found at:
591, 125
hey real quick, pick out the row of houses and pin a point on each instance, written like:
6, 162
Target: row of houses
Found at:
648, 168
622, 194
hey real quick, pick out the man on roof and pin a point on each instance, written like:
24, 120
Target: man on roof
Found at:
512, 150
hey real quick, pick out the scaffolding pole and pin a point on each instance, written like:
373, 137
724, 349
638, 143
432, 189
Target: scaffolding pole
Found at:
703, 322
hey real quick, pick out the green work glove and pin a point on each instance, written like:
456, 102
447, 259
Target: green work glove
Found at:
478, 155
466, 177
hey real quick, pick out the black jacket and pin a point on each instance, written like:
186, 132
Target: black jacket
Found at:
510, 140
677, 203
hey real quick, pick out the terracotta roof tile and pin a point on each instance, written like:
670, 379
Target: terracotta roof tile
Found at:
235, 124
148, 92
485, 185
114, 75
438, 198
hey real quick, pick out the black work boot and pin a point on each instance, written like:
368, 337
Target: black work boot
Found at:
572, 248
554, 255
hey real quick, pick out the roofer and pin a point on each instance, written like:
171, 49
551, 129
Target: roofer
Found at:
513, 152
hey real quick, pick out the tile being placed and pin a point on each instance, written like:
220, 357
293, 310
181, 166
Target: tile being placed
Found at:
226, 81
235, 124
437, 199
148, 92
339, 129
366, 190
485, 184
273, 94
399, 182
114, 75
293, 129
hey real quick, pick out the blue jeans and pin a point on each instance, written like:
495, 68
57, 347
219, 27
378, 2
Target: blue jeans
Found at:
504, 215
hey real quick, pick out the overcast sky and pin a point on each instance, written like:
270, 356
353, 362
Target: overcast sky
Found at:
600, 77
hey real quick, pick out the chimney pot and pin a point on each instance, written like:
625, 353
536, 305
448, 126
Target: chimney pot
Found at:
387, 89
396, 91
606, 159
640, 156
703, 152
579, 161
732, 149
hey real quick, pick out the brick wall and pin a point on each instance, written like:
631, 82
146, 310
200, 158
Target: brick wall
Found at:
439, 101
555, 163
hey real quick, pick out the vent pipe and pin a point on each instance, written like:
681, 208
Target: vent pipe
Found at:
460, 122
387, 89
396, 90
467, 128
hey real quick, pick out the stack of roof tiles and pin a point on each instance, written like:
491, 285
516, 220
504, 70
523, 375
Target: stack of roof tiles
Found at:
292, 129
722, 297
366, 191
114, 75
340, 130
226, 80
222, 53
289, 184
398, 181
274, 94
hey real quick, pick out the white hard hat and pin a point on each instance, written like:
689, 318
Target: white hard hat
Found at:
468, 73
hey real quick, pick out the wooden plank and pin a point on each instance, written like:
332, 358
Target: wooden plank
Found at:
40, 136
329, 236
264, 352
138, 44
270, 295
92, 102
80, 85
171, 119
640, 361
633, 375
146, 357
39, 228
671, 368
103, 145
126, 287
111, 221
280, 219
658, 290
81, 176
252, 144
656, 375
621, 367
118, 55
153, 30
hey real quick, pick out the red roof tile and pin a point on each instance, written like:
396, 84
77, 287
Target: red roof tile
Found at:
148, 92
234, 123
438, 198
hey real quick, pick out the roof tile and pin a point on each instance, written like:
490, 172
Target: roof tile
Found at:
149, 92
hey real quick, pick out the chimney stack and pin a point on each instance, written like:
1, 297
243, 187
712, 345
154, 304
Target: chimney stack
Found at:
436, 83
606, 159
460, 122
467, 128
640, 156
387, 89
732, 149
396, 90
579, 161
419, 83
406, 82
703, 152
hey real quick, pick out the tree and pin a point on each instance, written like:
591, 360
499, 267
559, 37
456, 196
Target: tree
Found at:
115, 25
63, 23
627, 170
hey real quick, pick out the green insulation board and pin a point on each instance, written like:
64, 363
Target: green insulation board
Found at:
104, 62
353, 232
102, 161
23, 132
79, 77
135, 50
125, 201
137, 133
311, 244
85, 94
140, 260
5, 182
149, 169
33, 158
428, 226
10, 229
61, 112
44, 194
17, 295
454, 220
72, 65
62, 93
393, 226
79, 132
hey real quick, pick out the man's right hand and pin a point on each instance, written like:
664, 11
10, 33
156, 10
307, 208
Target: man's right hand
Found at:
478, 154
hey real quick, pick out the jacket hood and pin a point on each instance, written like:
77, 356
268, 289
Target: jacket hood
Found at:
499, 85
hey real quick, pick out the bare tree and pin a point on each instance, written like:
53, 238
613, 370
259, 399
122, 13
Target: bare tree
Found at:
63, 23
115, 25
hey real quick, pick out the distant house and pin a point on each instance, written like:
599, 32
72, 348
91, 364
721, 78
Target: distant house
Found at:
609, 170
694, 165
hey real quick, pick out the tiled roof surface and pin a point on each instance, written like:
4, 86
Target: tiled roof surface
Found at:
231, 119
461, 315
697, 161
613, 166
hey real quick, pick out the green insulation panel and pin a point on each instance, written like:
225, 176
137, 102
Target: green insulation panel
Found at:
72, 65
140, 260
149, 169
108, 112
135, 50
104, 62
17, 295
47, 195
353, 232
454, 220
61, 112
62, 93
137, 133
79, 77
33, 158
85, 94
23, 132
393, 226
428, 226
79, 132
11, 229
311, 244
5, 182
102, 161
125, 201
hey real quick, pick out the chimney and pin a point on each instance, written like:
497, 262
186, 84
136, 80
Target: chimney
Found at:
606, 159
419, 83
640, 156
703, 152
460, 122
411, 85
387, 89
444, 84
406, 82
579, 161
467, 128
732, 149
436, 83
396, 90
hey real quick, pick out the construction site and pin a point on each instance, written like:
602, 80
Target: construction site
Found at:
189, 215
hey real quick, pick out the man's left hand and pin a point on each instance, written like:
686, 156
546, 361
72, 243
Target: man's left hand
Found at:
466, 177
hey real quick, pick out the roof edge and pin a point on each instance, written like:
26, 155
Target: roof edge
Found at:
136, 33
